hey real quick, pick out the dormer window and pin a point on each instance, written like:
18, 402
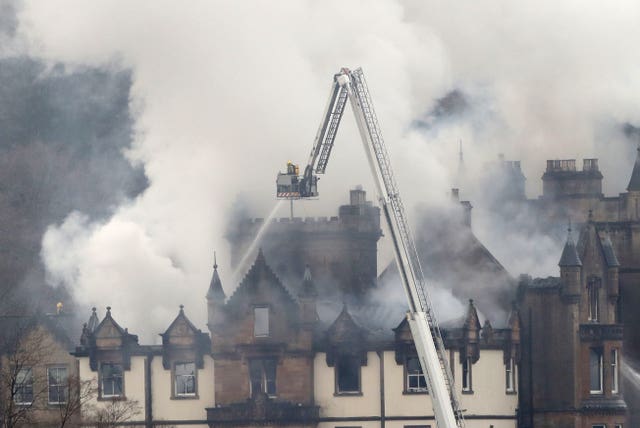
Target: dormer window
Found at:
347, 372
110, 380
261, 321
185, 379
593, 288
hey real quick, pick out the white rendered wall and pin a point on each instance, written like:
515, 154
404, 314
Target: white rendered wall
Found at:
166, 408
367, 404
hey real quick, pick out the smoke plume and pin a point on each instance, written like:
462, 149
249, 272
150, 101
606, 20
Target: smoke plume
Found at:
227, 92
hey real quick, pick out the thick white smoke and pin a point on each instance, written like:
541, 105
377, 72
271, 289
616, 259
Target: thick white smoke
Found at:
227, 92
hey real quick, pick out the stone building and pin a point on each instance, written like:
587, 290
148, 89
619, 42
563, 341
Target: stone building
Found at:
341, 250
572, 340
38, 377
278, 359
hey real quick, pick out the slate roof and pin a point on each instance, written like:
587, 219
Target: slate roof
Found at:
215, 291
634, 182
609, 253
569, 256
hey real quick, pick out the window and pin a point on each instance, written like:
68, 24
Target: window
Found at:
57, 385
347, 375
23, 389
510, 375
593, 287
261, 322
110, 380
617, 426
185, 379
599, 426
466, 375
614, 371
262, 373
595, 370
416, 381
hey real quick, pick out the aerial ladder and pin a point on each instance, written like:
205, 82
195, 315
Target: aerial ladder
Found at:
351, 85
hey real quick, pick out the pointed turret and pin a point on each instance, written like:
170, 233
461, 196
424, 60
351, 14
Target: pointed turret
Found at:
215, 298
471, 333
93, 321
215, 291
569, 256
634, 182
570, 268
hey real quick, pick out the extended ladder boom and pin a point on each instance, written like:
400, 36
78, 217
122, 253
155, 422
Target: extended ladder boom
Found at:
422, 321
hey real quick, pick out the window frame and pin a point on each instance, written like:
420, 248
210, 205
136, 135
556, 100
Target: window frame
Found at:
64, 385
615, 371
264, 376
102, 395
407, 388
174, 380
600, 354
511, 376
267, 331
17, 392
336, 370
466, 376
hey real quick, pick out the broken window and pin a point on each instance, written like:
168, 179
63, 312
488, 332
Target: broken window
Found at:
261, 322
595, 370
347, 375
262, 373
416, 381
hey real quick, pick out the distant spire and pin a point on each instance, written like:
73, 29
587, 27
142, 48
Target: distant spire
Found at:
215, 291
569, 253
634, 182
308, 288
93, 321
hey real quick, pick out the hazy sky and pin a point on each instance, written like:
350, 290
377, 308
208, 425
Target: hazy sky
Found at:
226, 92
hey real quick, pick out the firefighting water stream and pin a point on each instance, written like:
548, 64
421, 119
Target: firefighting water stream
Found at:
243, 261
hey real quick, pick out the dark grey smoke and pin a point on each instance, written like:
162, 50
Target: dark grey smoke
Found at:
63, 133
454, 105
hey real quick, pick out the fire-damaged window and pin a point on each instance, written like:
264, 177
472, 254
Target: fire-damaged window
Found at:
593, 288
415, 379
110, 380
595, 371
261, 321
347, 371
262, 373
466, 375
185, 379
